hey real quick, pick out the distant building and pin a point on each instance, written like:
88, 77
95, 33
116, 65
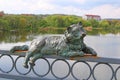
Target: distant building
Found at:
111, 19
89, 16
28, 14
1, 13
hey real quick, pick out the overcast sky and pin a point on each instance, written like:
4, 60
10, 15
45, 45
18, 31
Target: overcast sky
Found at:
104, 8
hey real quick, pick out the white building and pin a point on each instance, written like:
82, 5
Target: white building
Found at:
89, 16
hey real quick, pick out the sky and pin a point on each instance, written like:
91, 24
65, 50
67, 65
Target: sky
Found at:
104, 8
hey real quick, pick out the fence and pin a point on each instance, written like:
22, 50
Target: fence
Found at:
77, 68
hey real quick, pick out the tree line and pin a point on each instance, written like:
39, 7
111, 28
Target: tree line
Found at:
36, 22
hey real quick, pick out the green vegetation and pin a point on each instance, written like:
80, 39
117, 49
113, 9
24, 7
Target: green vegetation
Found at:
50, 23
15, 28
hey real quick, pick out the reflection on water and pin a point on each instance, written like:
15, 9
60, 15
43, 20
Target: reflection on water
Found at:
22, 36
9, 37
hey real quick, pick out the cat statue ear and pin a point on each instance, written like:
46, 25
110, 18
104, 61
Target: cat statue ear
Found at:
80, 23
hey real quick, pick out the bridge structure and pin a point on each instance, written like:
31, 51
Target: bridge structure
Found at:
54, 67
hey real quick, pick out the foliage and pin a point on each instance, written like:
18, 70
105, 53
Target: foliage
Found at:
104, 24
22, 27
35, 22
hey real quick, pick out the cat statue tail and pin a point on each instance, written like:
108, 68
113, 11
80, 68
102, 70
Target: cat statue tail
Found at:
19, 48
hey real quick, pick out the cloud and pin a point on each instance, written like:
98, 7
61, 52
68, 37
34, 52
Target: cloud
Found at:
12, 6
106, 11
42, 5
28, 6
80, 1
76, 7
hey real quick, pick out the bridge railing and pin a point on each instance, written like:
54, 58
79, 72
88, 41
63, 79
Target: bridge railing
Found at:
56, 67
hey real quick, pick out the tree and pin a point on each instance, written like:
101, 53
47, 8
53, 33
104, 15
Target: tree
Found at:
22, 23
117, 25
104, 24
4, 24
42, 23
94, 23
86, 23
13, 22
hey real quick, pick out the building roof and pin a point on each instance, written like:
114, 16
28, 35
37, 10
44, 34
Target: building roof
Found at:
92, 15
1, 13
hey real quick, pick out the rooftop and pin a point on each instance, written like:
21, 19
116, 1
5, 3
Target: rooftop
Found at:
92, 15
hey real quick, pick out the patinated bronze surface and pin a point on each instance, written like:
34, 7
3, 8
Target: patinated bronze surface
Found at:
70, 45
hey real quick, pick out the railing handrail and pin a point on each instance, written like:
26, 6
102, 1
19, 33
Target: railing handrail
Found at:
84, 60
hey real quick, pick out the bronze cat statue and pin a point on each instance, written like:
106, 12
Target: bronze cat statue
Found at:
70, 45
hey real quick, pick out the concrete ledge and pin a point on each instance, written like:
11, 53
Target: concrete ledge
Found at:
20, 77
87, 57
